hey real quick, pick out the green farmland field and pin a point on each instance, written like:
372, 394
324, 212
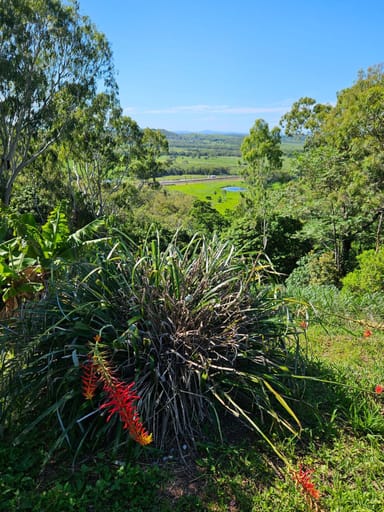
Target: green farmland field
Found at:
205, 165
219, 154
212, 191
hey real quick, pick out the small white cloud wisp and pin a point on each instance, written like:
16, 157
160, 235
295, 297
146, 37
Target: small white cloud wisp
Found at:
216, 109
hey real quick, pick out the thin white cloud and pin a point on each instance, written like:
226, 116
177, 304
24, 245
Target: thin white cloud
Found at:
216, 109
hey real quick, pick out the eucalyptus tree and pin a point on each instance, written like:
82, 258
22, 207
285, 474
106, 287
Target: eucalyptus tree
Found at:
147, 163
306, 117
261, 150
91, 151
52, 61
105, 149
341, 185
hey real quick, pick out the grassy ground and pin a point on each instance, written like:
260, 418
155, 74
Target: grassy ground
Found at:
213, 191
342, 442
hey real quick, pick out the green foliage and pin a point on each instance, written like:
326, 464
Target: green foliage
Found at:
52, 60
339, 191
33, 252
25, 258
261, 151
205, 218
283, 246
166, 210
341, 441
148, 165
368, 277
195, 327
347, 474
314, 269
203, 166
95, 148
99, 484
333, 307
305, 117
43, 244
35, 195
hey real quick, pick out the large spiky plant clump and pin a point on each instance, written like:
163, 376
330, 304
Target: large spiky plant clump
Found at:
208, 336
196, 327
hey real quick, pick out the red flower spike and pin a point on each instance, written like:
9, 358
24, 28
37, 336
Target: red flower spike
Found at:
89, 380
122, 402
120, 396
303, 478
304, 324
379, 389
367, 333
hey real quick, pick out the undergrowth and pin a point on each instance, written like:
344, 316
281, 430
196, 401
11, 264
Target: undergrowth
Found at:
140, 308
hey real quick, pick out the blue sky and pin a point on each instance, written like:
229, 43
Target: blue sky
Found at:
220, 65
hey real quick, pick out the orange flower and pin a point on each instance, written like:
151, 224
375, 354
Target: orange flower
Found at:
367, 333
379, 389
138, 432
303, 478
304, 324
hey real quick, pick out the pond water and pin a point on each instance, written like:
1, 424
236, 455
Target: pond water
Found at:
233, 189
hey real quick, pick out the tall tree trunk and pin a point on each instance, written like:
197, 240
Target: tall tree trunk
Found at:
378, 231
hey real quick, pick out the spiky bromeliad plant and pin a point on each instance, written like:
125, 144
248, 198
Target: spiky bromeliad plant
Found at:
197, 329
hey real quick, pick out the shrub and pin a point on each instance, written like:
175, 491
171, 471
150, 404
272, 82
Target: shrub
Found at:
204, 218
279, 236
368, 277
197, 329
314, 269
